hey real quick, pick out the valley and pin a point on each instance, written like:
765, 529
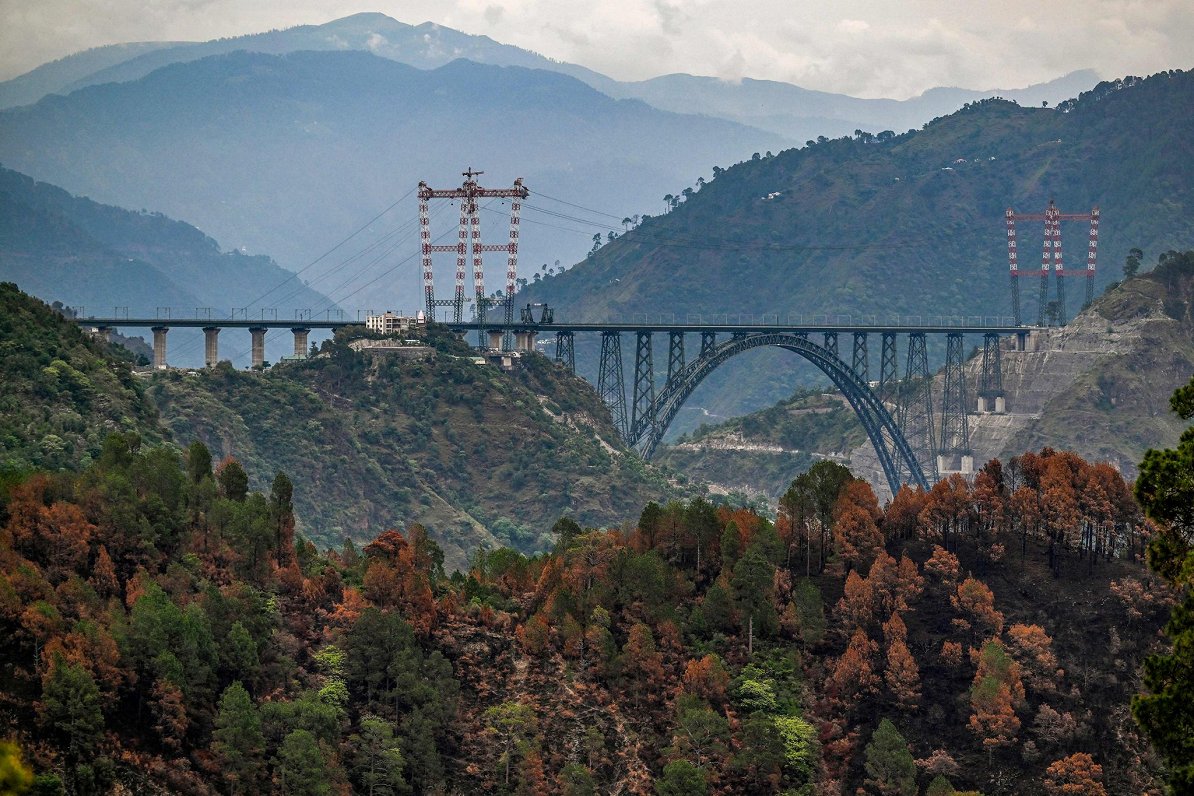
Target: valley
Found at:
746, 479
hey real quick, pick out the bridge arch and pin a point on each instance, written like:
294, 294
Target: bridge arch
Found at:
895, 454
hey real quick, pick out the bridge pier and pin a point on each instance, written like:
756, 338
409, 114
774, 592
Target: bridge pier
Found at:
831, 342
159, 346
566, 350
211, 345
257, 334
644, 385
675, 355
524, 341
495, 339
610, 385
955, 423
300, 341
889, 369
990, 386
916, 407
861, 367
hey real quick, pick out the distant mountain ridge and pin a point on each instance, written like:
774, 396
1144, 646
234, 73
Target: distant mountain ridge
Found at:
287, 153
780, 108
97, 257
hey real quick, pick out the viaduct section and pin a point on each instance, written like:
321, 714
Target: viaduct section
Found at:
918, 435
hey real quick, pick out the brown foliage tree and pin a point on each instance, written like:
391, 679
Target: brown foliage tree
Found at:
944, 567
975, 601
1076, 775
853, 675
707, 678
902, 674
856, 608
1032, 648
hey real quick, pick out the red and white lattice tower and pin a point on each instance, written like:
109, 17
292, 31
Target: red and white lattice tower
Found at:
1051, 258
469, 243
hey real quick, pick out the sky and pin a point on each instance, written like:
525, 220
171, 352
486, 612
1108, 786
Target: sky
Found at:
866, 48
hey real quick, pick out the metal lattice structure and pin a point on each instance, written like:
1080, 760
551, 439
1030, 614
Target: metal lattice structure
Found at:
1051, 258
889, 371
469, 244
955, 425
609, 380
566, 350
641, 415
990, 381
916, 406
861, 366
675, 355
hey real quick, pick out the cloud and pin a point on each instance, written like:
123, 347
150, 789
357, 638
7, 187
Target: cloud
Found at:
864, 47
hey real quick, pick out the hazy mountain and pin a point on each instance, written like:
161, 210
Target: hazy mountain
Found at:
781, 108
96, 257
287, 154
800, 113
907, 226
54, 77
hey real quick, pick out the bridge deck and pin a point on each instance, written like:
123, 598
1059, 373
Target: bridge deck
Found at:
727, 328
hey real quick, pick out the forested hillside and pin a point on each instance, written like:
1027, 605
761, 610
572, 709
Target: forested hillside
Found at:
476, 455
169, 633
64, 391
911, 226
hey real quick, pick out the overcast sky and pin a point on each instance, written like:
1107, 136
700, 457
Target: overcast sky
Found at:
869, 48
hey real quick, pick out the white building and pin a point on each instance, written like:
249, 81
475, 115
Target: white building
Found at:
389, 323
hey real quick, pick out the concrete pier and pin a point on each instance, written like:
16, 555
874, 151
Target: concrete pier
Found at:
159, 346
495, 339
211, 345
300, 341
524, 341
258, 334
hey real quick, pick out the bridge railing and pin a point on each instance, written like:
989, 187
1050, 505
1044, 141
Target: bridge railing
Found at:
793, 319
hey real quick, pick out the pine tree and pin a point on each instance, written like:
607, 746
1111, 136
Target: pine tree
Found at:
238, 743
889, 765
70, 709
681, 778
301, 766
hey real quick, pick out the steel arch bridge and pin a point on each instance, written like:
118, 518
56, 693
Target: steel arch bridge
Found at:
651, 420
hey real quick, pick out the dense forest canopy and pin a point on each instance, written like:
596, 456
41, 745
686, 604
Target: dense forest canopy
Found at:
169, 631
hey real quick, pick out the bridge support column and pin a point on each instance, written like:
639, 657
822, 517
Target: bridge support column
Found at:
955, 425
257, 334
990, 385
610, 385
566, 350
159, 347
861, 366
831, 342
675, 355
916, 407
524, 341
211, 345
708, 343
644, 386
889, 369
300, 341
495, 339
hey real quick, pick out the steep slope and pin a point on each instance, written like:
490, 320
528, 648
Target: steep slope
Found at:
287, 154
899, 229
478, 456
64, 392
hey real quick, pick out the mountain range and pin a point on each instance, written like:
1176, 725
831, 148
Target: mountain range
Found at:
283, 142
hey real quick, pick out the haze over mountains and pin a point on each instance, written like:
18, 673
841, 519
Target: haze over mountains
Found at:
286, 150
